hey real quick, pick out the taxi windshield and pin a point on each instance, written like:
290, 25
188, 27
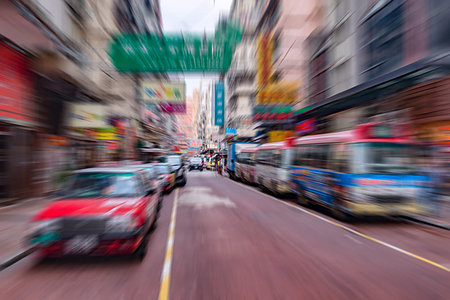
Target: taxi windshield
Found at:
100, 185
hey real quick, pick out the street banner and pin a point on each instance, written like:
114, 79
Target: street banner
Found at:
152, 53
219, 104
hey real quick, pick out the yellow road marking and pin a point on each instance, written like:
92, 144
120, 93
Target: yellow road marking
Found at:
165, 275
342, 226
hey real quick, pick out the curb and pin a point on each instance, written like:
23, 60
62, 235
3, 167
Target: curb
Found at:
428, 222
16, 257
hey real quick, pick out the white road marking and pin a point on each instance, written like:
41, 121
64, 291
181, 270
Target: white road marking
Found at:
342, 226
203, 197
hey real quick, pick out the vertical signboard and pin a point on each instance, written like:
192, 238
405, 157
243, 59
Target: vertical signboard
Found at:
16, 101
219, 109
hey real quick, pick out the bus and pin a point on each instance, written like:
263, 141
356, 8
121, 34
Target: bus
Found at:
233, 150
368, 170
245, 164
272, 166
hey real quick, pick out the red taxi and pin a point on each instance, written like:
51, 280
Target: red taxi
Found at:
105, 211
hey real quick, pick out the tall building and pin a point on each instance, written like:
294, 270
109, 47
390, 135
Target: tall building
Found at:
382, 61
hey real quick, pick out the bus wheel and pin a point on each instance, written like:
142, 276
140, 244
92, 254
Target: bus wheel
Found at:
339, 214
302, 200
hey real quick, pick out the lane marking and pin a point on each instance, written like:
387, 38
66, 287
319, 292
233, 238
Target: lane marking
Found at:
165, 274
380, 242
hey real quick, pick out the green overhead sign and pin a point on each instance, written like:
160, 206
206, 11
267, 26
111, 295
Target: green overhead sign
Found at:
150, 53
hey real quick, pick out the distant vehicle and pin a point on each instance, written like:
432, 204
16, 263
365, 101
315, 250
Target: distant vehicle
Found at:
211, 165
272, 167
232, 151
166, 175
104, 211
368, 170
195, 163
245, 165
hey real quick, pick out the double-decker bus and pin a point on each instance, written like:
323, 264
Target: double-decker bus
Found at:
368, 170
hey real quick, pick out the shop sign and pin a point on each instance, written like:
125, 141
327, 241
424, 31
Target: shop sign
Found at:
16, 101
230, 131
170, 97
272, 113
305, 126
195, 143
58, 140
280, 93
278, 135
264, 55
87, 116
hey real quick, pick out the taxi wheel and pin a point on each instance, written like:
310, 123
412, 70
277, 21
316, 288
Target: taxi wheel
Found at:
141, 251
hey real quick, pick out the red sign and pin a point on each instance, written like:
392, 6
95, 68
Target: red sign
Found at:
16, 102
305, 126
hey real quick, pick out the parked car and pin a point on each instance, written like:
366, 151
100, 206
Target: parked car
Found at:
155, 182
166, 176
176, 165
104, 211
196, 163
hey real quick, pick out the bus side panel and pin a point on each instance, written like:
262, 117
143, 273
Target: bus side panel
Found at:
314, 184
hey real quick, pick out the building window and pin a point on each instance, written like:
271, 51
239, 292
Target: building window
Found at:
383, 40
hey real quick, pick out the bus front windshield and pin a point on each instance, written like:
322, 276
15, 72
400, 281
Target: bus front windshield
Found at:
384, 158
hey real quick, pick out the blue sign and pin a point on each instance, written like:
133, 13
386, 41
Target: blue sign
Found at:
219, 104
230, 131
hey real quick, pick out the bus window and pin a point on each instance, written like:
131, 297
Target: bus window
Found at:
339, 158
276, 158
287, 157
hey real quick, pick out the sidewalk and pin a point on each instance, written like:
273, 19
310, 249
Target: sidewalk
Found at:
13, 224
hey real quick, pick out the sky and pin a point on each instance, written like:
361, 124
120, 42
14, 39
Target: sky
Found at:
193, 16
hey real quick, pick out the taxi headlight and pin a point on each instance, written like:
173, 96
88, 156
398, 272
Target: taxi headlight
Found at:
43, 226
121, 223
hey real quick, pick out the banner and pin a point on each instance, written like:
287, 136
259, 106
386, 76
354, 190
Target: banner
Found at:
170, 97
219, 104
87, 116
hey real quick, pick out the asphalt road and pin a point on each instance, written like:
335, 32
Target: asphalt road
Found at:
230, 241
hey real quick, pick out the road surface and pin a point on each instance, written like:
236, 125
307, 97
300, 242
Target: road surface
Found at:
230, 241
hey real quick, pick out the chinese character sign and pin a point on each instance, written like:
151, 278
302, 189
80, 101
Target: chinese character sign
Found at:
219, 109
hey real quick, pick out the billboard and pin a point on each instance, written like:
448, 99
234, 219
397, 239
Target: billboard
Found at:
219, 104
87, 116
170, 97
